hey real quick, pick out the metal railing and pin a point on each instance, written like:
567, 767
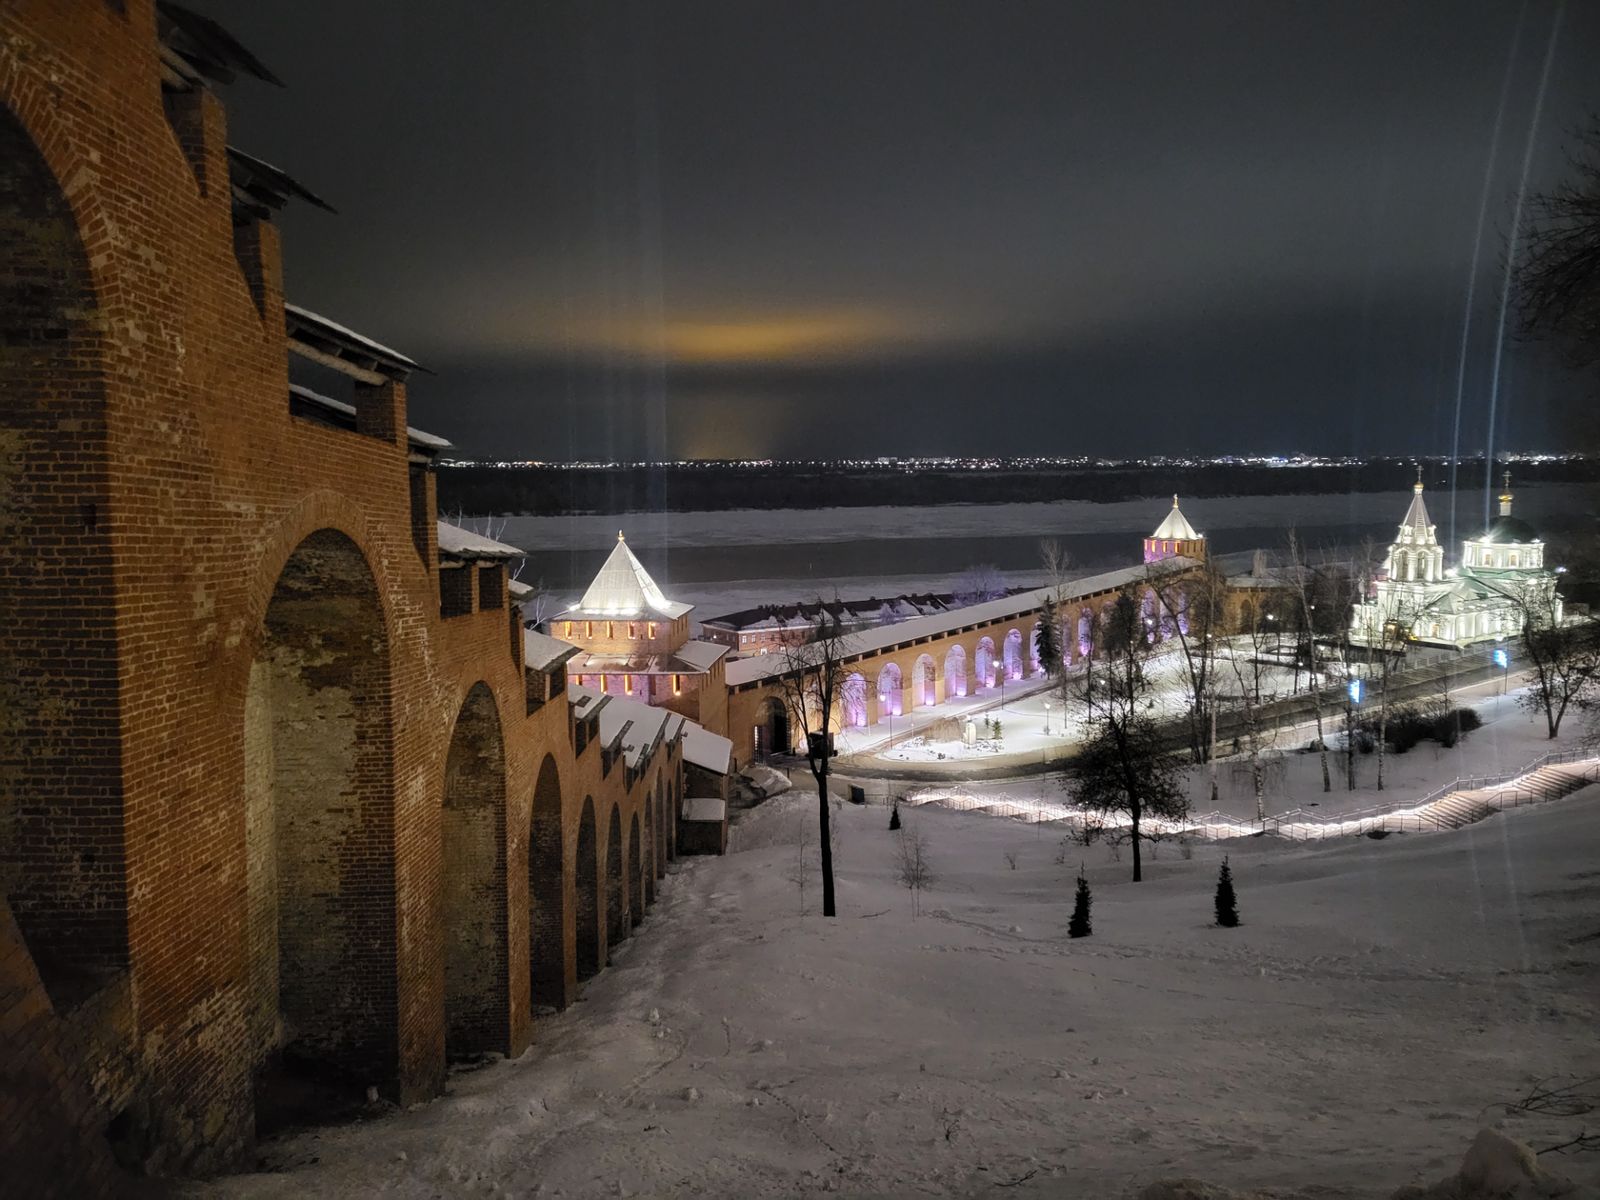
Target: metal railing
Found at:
1450, 807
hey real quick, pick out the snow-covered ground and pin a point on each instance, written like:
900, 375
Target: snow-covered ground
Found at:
1032, 732
1511, 738
1379, 999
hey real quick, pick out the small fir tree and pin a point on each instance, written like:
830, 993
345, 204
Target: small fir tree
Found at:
1227, 907
998, 732
1048, 643
894, 816
1079, 926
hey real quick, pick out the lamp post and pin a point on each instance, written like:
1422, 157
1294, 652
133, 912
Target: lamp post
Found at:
1047, 718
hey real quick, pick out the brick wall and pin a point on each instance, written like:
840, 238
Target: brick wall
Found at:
250, 795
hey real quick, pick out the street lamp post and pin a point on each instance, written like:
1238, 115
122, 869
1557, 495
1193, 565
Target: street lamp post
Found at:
1047, 718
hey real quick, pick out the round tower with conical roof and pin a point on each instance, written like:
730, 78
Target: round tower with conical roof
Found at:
1175, 538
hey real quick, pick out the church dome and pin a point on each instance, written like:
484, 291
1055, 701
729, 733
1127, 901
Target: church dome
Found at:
1509, 530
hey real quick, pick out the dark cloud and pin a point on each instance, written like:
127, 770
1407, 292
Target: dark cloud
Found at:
794, 227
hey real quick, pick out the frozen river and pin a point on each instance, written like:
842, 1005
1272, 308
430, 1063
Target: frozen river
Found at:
721, 561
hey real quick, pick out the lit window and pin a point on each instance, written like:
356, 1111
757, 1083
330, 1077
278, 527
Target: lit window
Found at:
633, 631
588, 629
650, 629
609, 628
677, 684
627, 684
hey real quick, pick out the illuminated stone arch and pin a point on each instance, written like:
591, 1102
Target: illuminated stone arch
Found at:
772, 727
617, 927
472, 892
62, 847
890, 697
547, 893
1013, 654
985, 663
955, 673
664, 821
924, 684
319, 820
637, 872
853, 701
587, 880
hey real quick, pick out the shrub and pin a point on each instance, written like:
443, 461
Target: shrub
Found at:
1078, 926
1227, 906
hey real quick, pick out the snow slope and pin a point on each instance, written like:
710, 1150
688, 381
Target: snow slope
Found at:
1347, 1039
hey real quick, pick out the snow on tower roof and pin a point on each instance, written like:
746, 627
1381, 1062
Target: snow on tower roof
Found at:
456, 542
1176, 526
1417, 527
623, 588
541, 652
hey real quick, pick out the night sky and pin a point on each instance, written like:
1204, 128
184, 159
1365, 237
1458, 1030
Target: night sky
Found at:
676, 228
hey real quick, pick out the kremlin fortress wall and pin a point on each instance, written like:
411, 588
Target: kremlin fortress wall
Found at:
276, 786
285, 784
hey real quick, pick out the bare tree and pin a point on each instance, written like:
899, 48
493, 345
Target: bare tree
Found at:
1387, 631
1564, 655
1193, 607
916, 872
494, 528
1302, 590
1122, 766
1052, 613
811, 686
1558, 279
1258, 738
978, 583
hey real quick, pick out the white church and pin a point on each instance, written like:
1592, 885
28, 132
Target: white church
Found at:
1416, 599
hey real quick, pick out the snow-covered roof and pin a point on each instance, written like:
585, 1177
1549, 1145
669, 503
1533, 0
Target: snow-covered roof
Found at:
542, 652
643, 726
463, 543
643, 663
704, 808
426, 441
1416, 528
701, 655
623, 588
706, 749
1022, 604
1176, 527
304, 317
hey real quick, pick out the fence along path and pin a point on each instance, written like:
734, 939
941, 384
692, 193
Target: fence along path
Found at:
1549, 777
